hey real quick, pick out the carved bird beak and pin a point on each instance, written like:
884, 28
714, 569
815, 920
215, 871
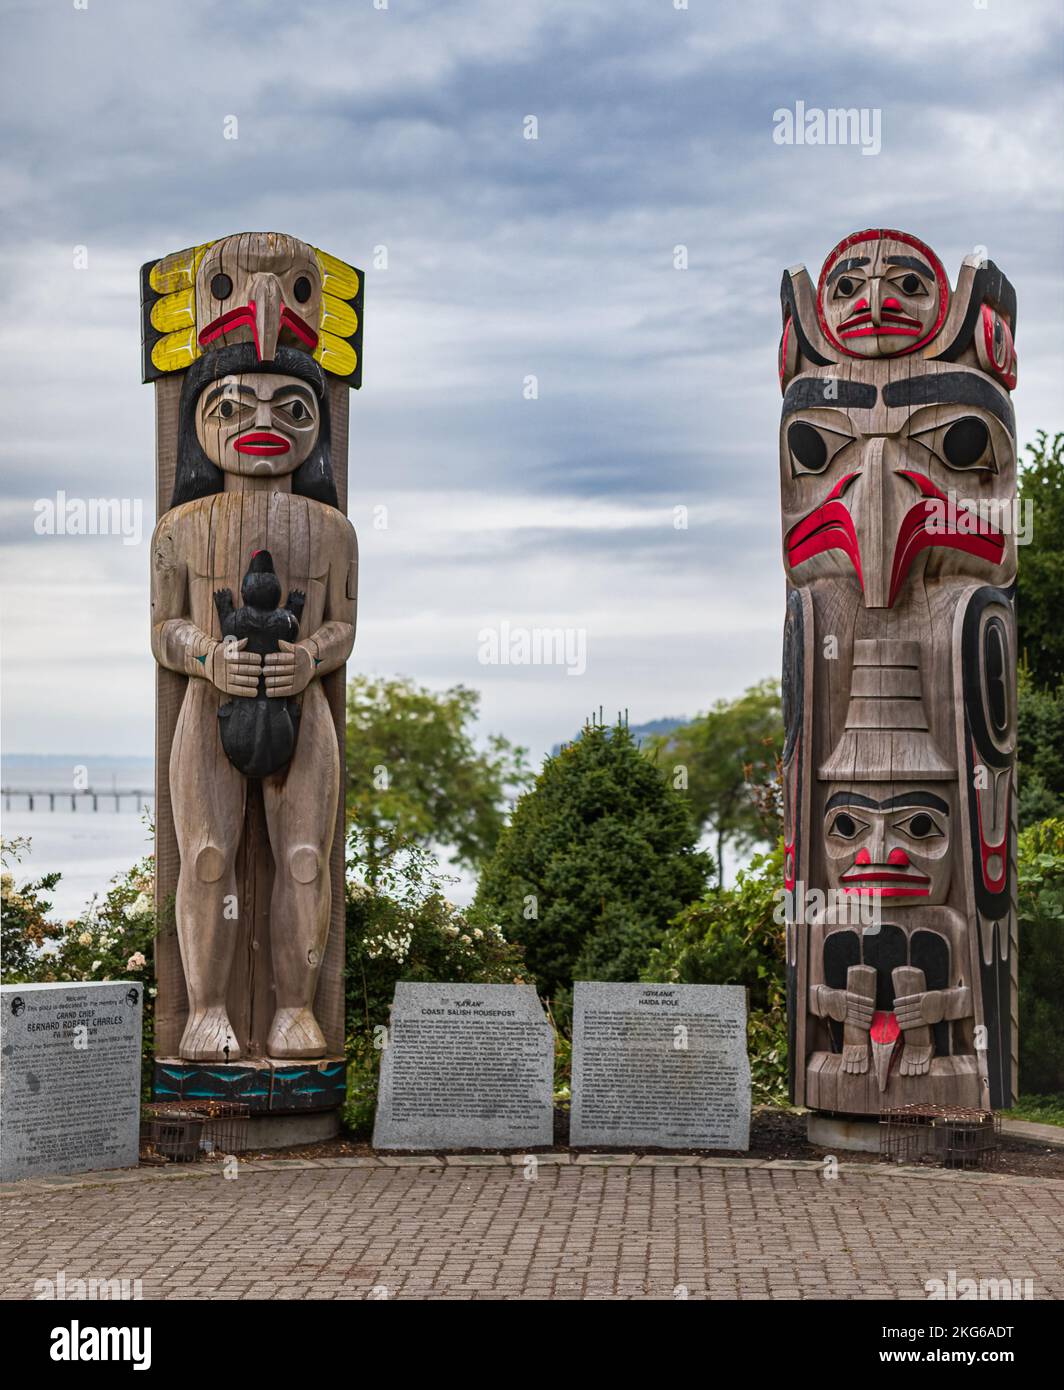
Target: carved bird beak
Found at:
267, 300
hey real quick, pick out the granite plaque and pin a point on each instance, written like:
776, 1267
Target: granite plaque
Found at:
660, 1066
71, 1077
466, 1067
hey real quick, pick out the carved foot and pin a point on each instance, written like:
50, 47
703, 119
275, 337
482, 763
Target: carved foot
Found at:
855, 1058
295, 1033
915, 1061
207, 1034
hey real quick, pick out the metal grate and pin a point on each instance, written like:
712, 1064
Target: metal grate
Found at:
949, 1135
187, 1130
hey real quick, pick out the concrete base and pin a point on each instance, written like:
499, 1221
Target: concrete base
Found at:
838, 1132
299, 1127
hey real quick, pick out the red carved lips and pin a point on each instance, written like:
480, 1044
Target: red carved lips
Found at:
261, 442
892, 325
888, 883
893, 321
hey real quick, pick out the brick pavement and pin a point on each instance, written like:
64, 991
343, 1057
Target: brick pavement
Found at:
350, 1228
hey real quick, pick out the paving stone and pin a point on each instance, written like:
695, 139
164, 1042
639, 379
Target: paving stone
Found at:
606, 1160
477, 1160
581, 1230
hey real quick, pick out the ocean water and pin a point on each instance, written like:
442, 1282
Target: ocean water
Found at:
89, 848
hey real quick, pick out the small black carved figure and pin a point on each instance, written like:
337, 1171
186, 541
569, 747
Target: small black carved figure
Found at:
259, 732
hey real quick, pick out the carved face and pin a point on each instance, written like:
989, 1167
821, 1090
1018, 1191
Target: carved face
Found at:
257, 423
881, 294
912, 467
259, 288
894, 846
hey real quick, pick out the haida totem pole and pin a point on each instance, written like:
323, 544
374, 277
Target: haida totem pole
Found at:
252, 342
898, 477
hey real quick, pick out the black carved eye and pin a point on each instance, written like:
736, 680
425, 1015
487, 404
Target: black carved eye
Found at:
845, 826
921, 827
298, 410
221, 286
807, 447
225, 409
911, 284
301, 290
965, 442
846, 286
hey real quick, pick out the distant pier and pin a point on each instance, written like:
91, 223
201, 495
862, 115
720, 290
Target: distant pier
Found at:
87, 800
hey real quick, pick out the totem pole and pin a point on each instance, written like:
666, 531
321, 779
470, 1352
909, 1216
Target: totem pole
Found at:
898, 478
252, 343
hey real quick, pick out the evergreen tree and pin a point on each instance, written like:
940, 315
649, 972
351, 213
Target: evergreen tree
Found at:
600, 854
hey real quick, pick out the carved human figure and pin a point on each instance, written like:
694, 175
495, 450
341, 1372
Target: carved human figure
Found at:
253, 474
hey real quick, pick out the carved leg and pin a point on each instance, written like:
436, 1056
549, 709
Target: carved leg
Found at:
208, 796
301, 816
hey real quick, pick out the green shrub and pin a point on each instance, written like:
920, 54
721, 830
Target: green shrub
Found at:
1041, 963
112, 939
731, 937
1040, 751
403, 928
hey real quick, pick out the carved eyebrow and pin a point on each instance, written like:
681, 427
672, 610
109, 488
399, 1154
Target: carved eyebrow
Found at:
227, 386
843, 266
951, 388
928, 800
294, 388
808, 392
912, 263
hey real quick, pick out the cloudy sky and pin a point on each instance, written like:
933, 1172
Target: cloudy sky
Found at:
404, 127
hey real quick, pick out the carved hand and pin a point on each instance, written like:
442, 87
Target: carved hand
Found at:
918, 1010
232, 670
288, 671
842, 1005
859, 1010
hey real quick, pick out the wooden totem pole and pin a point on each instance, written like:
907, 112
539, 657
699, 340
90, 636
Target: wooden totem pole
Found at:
898, 478
252, 342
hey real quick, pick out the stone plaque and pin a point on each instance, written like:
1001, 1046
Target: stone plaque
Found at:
660, 1066
71, 1077
466, 1067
